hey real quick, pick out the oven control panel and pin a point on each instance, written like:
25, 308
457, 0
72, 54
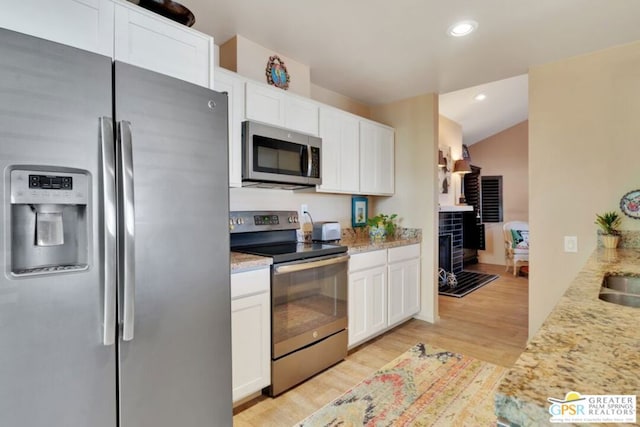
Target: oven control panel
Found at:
248, 221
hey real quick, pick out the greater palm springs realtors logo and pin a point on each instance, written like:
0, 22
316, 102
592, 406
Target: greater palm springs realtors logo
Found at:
604, 408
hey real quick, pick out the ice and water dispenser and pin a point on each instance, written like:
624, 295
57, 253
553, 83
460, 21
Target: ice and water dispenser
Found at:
49, 223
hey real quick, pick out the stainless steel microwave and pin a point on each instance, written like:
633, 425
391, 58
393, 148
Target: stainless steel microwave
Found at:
277, 157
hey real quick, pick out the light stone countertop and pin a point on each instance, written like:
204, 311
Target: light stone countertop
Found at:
585, 345
355, 240
240, 262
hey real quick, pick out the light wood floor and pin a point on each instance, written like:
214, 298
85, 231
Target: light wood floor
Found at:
489, 324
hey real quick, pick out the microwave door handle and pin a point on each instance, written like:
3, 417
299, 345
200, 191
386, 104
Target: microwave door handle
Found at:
309, 160
304, 160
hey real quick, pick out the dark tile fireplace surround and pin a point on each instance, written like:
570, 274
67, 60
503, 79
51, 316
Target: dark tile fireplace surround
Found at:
450, 241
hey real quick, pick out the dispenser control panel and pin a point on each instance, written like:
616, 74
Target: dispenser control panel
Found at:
51, 182
49, 187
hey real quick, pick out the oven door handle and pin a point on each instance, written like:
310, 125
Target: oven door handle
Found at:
292, 268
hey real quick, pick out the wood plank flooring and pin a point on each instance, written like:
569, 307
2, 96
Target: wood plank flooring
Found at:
489, 324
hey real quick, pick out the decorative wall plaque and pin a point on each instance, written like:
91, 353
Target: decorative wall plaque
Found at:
277, 74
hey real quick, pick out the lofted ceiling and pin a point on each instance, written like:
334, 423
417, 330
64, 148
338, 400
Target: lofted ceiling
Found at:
506, 104
378, 51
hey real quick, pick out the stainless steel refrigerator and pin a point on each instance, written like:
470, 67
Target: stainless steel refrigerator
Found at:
114, 291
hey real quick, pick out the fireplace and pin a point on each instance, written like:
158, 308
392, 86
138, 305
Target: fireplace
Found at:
445, 252
450, 224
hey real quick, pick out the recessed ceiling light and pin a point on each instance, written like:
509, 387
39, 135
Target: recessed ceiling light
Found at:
480, 97
462, 28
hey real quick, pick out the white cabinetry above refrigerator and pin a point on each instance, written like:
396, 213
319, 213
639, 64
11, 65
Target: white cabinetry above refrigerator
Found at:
118, 29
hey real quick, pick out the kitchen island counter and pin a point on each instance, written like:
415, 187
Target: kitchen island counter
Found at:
585, 345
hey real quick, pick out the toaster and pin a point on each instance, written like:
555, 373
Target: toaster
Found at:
326, 231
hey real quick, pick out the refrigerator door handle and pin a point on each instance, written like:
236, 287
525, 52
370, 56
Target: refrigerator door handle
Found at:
128, 230
109, 232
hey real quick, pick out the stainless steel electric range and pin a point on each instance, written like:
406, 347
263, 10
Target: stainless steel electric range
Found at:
308, 295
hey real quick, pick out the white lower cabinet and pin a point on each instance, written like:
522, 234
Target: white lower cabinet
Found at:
367, 303
384, 290
404, 283
250, 332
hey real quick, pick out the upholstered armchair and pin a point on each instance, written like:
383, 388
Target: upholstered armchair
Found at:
516, 244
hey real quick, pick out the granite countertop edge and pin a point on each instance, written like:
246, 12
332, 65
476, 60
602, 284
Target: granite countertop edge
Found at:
356, 241
585, 345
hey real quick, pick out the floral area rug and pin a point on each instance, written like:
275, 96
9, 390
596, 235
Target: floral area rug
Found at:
425, 386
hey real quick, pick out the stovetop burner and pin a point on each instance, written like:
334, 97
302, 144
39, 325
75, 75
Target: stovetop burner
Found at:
292, 251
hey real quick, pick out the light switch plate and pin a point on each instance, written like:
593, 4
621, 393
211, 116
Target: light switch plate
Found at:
571, 243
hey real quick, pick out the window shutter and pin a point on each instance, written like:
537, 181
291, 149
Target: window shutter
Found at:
491, 198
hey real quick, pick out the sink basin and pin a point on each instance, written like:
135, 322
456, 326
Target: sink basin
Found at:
621, 299
626, 284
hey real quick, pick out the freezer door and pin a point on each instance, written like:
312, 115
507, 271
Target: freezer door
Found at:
174, 296
54, 367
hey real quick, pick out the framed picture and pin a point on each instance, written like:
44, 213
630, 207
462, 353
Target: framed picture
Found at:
444, 172
359, 211
465, 152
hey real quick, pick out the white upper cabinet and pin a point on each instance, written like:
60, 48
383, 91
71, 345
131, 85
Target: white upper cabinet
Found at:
340, 151
150, 41
226, 81
301, 114
85, 24
376, 159
118, 29
279, 108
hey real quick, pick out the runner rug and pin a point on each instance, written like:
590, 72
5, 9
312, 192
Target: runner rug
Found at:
425, 386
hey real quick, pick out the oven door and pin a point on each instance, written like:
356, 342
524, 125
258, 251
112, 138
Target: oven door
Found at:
309, 302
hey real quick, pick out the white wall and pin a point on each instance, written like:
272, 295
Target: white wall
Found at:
450, 137
584, 131
416, 199
322, 207
250, 59
507, 154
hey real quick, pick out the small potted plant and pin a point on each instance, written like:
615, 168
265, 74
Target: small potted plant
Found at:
381, 226
609, 223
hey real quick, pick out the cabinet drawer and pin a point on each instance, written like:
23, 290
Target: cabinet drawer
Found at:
404, 252
367, 260
250, 282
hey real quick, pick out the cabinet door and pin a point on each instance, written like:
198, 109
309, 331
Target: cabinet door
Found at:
234, 86
376, 159
265, 104
340, 151
300, 114
250, 335
404, 290
150, 41
85, 24
367, 304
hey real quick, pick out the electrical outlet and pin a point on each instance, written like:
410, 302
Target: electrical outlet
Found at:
303, 208
571, 243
